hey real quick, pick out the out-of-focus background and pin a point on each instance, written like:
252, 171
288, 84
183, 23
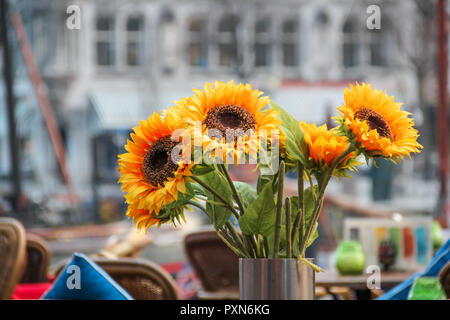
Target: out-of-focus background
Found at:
79, 75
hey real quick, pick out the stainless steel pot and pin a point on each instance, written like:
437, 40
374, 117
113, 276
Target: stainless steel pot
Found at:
275, 279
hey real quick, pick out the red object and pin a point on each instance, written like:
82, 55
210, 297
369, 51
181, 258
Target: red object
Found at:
443, 103
173, 267
408, 243
30, 291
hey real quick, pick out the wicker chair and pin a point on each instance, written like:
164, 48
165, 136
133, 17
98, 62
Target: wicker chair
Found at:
38, 258
142, 279
444, 276
216, 265
12, 255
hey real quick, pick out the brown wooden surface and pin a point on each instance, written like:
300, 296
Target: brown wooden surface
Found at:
332, 278
12, 255
38, 258
83, 231
215, 265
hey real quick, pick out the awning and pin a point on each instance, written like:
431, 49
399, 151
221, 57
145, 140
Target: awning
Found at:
119, 109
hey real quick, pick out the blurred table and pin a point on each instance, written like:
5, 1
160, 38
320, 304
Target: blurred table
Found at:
358, 283
388, 279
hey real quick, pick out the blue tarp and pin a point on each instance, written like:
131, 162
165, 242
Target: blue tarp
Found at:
401, 291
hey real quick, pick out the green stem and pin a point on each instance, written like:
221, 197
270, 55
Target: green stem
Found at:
287, 210
236, 195
237, 239
233, 247
204, 185
301, 210
312, 265
198, 205
276, 246
266, 247
250, 240
249, 245
259, 248
319, 201
311, 184
231, 244
302, 231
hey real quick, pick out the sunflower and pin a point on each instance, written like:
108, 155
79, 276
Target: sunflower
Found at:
230, 109
325, 147
149, 177
376, 124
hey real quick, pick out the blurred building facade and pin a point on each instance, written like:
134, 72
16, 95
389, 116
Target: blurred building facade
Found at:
132, 58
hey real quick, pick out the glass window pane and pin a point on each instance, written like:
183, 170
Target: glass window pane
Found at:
262, 55
290, 42
289, 54
196, 25
135, 45
105, 53
197, 55
105, 41
377, 56
262, 26
227, 39
289, 26
349, 26
198, 43
133, 54
350, 51
105, 23
262, 43
135, 24
351, 45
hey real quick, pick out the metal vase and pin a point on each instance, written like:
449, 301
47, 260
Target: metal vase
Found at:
275, 279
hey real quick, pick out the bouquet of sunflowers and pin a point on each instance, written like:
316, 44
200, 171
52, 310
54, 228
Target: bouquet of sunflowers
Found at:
179, 159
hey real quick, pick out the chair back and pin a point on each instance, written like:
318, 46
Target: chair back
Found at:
12, 255
142, 279
38, 258
216, 265
444, 276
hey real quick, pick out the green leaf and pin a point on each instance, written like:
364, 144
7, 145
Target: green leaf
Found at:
314, 236
247, 193
260, 215
309, 202
219, 215
201, 169
171, 214
195, 189
295, 142
262, 181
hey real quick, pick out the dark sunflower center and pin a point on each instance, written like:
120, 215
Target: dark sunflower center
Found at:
158, 165
375, 121
229, 116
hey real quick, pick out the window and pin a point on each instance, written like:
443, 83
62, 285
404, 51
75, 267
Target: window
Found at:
381, 43
262, 43
290, 42
198, 43
168, 41
107, 146
364, 47
135, 41
106, 53
351, 44
227, 41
